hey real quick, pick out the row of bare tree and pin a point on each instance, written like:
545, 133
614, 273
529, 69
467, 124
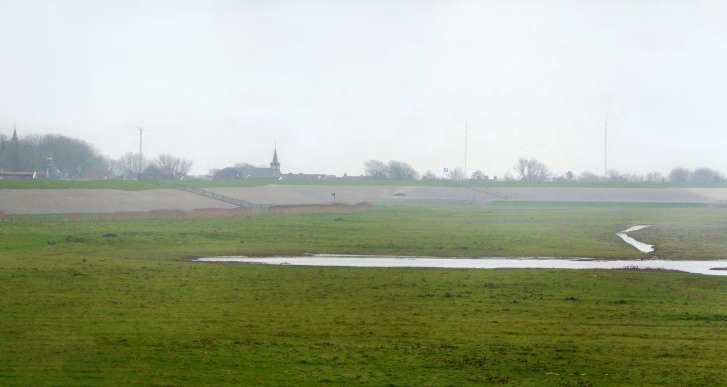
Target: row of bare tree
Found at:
533, 170
66, 157
393, 170
131, 163
698, 176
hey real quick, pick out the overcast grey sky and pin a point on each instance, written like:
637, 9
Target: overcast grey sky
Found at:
336, 83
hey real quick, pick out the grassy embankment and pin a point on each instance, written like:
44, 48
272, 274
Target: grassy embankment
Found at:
193, 183
128, 185
113, 303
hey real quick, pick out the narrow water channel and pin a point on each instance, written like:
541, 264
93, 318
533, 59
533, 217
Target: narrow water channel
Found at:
698, 267
641, 246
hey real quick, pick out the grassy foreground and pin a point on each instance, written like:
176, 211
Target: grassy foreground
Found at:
114, 303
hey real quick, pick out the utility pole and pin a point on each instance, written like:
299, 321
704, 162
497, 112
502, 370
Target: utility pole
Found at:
141, 142
141, 155
465, 149
605, 146
15, 161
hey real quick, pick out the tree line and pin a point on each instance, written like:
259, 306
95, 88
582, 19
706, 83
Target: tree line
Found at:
400, 170
393, 170
532, 170
65, 157
71, 158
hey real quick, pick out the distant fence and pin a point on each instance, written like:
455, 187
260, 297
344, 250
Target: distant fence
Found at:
221, 197
199, 213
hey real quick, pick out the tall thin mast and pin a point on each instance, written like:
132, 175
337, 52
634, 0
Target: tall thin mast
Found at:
605, 146
465, 149
141, 157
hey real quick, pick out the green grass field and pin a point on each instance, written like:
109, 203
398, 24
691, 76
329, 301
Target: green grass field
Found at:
118, 303
500, 229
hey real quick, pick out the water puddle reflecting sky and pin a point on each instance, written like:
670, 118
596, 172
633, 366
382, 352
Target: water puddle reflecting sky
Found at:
698, 267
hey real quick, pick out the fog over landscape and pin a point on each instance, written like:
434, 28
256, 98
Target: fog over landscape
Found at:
334, 84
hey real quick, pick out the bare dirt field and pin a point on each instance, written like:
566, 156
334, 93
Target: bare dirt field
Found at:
85, 201
321, 194
624, 195
281, 194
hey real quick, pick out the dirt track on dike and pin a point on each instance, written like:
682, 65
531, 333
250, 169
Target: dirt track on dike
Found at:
87, 201
282, 194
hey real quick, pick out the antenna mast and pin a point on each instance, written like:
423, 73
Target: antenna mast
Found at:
465, 149
141, 157
605, 146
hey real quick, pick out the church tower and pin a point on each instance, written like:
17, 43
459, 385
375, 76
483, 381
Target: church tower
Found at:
275, 165
14, 151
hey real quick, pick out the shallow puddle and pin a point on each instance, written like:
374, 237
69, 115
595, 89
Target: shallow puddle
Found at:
698, 267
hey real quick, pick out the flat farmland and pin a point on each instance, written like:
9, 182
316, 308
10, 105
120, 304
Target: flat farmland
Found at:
121, 302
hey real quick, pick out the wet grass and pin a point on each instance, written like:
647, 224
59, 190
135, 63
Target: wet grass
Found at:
96, 303
557, 231
75, 320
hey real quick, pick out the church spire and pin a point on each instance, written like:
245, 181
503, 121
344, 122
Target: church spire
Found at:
14, 159
275, 165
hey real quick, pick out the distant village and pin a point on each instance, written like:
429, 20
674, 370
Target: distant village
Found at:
60, 157
247, 171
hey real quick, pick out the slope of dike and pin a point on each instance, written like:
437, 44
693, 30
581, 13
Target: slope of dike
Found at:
91, 201
323, 194
87, 201
318, 194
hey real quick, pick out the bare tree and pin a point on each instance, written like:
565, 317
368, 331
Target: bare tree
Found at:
680, 175
402, 171
429, 175
456, 174
589, 177
654, 177
478, 175
166, 163
614, 175
706, 176
128, 164
376, 169
531, 170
